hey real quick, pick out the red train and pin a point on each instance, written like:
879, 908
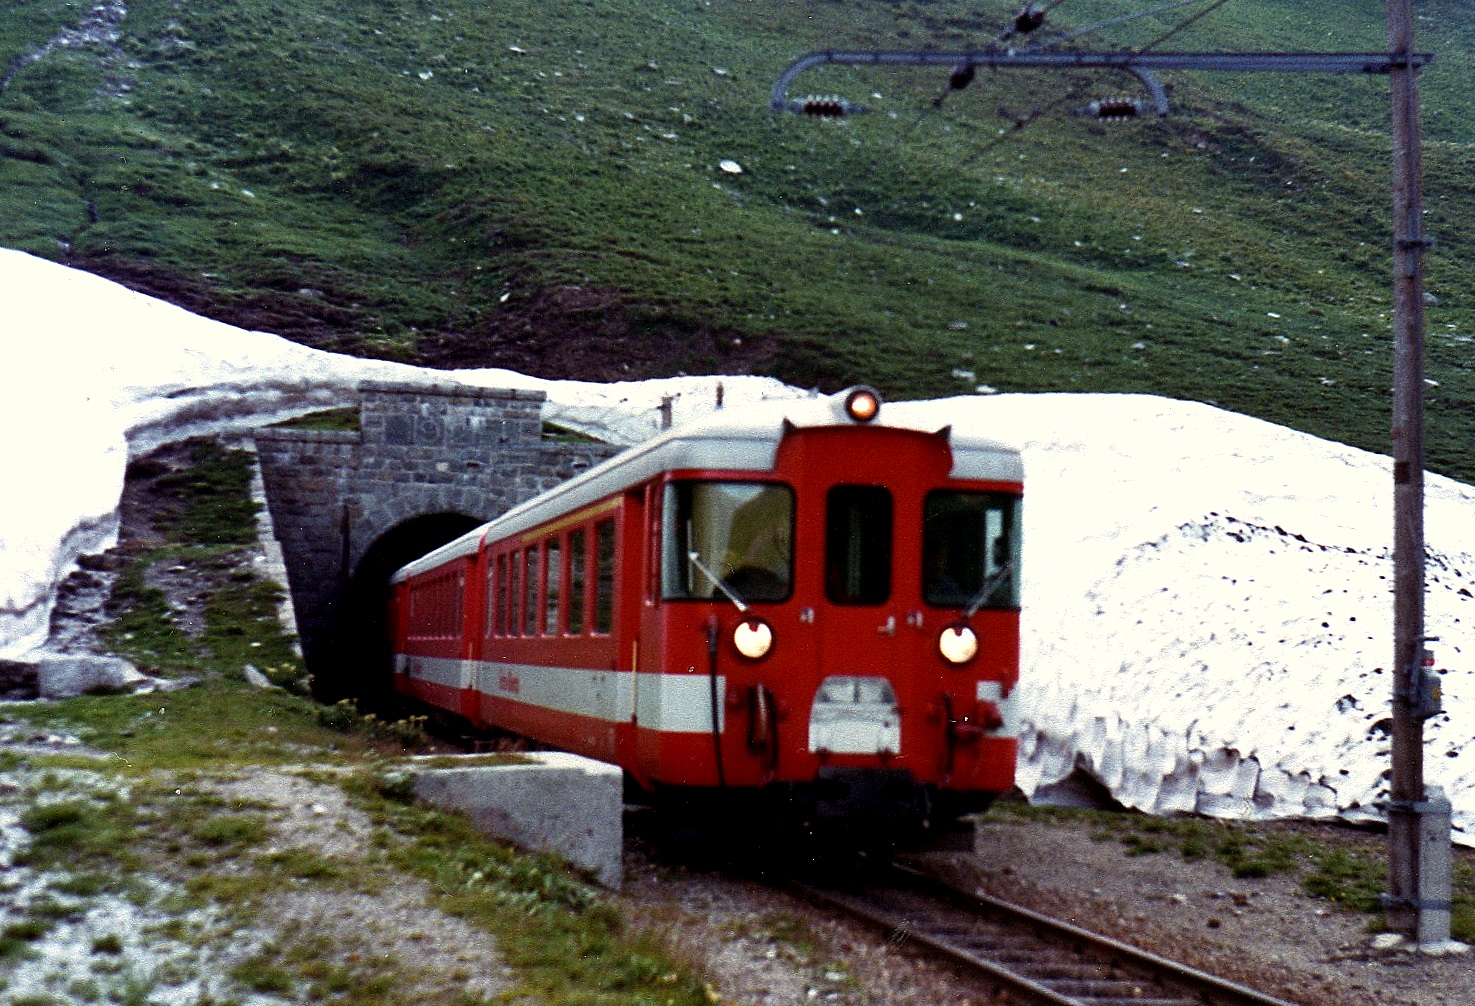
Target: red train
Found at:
795, 602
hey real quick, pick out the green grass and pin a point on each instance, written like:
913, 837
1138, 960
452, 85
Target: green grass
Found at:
216, 726
343, 420
368, 177
142, 626
211, 501
78, 834
230, 830
207, 523
111, 944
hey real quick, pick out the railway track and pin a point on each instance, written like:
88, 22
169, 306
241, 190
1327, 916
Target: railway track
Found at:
1035, 958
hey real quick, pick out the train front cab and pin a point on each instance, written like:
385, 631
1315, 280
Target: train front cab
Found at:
848, 621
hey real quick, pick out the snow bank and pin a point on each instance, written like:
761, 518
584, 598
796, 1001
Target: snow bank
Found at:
1207, 596
1208, 608
95, 373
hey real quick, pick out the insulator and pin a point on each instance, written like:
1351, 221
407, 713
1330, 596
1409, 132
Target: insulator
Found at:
961, 77
1112, 108
1028, 19
826, 106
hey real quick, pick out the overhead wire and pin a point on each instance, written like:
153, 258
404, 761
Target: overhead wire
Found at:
1215, 5
1092, 29
1029, 18
1070, 94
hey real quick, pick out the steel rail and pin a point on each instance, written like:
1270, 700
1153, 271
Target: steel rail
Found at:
1037, 959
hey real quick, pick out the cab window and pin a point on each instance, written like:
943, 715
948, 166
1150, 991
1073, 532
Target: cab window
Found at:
721, 538
970, 550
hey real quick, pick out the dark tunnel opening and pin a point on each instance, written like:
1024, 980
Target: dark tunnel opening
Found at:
358, 667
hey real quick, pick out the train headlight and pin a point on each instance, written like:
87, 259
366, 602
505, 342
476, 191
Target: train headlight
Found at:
863, 404
958, 644
753, 638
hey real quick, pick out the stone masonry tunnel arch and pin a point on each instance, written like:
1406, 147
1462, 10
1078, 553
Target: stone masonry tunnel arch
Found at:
365, 602
427, 463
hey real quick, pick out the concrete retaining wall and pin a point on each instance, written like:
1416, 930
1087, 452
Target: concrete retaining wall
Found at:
564, 804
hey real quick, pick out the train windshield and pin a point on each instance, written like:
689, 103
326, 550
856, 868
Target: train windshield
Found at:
738, 533
970, 550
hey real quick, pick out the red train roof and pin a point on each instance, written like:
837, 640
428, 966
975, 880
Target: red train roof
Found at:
742, 440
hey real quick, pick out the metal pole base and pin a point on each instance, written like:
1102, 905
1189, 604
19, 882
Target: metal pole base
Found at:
1433, 816
1424, 913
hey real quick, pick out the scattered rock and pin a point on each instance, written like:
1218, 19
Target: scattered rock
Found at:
255, 678
65, 676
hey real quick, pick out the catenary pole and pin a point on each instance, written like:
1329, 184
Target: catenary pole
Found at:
1409, 904
1418, 897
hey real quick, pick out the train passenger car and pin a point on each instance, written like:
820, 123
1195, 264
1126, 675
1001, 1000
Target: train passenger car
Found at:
797, 602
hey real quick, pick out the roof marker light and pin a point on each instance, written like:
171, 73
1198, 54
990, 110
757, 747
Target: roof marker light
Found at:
863, 404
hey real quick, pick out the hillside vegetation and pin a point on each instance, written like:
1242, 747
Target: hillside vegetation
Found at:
542, 185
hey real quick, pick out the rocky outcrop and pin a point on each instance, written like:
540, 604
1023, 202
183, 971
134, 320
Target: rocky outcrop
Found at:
46, 675
67, 675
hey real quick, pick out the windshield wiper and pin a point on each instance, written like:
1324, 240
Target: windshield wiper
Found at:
989, 586
696, 560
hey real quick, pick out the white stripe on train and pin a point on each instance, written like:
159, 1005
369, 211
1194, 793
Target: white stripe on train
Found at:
670, 703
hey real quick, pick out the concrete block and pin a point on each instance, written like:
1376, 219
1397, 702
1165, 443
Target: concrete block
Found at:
561, 803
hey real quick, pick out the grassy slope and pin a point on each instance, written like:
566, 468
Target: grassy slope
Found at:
421, 168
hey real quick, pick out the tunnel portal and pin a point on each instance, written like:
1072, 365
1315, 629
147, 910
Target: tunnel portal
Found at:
428, 463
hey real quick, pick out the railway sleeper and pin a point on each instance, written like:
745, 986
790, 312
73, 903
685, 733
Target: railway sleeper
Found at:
1077, 972
1089, 989
1036, 957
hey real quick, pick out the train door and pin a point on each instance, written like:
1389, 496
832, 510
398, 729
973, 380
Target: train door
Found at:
855, 707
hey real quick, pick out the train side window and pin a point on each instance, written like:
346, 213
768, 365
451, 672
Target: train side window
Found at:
514, 594
497, 598
553, 593
970, 549
604, 577
858, 544
741, 533
531, 588
578, 579
457, 585
490, 592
